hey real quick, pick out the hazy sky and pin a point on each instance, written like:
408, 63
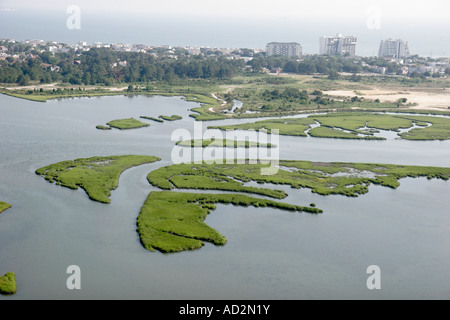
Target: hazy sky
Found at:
402, 10
235, 23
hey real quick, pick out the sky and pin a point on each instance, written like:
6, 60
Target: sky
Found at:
403, 10
235, 23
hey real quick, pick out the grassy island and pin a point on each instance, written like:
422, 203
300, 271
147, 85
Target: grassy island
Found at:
152, 118
124, 124
4, 206
97, 175
291, 127
101, 127
171, 118
223, 143
173, 221
334, 133
8, 283
354, 125
349, 179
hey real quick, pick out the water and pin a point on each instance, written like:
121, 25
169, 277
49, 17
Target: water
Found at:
270, 254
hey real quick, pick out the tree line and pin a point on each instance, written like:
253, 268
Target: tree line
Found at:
109, 67
319, 64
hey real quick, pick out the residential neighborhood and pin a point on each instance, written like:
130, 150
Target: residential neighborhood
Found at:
393, 58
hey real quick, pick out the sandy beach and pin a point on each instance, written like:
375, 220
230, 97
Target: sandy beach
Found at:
432, 99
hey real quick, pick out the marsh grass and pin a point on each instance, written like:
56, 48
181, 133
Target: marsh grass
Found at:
152, 118
124, 124
329, 132
171, 118
101, 127
223, 143
98, 176
174, 221
8, 284
349, 125
290, 127
4, 206
439, 129
348, 179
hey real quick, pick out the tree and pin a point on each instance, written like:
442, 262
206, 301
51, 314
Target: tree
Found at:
291, 66
355, 78
23, 80
333, 75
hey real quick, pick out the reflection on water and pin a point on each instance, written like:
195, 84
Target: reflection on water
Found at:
270, 254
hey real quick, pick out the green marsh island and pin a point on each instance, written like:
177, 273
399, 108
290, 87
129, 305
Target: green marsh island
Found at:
123, 124
171, 118
348, 179
354, 125
152, 118
102, 127
223, 143
8, 284
98, 176
4, 206
172, 221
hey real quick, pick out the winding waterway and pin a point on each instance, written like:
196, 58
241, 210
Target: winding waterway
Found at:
270, 254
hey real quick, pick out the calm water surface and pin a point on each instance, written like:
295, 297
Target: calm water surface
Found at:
270, 254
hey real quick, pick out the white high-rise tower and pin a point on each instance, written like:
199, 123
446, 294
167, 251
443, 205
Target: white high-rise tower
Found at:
394, 48
338, 45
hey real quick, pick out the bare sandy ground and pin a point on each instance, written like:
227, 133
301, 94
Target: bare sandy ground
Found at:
425, 99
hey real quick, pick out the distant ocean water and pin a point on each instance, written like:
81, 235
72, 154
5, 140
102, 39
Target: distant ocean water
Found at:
424, 39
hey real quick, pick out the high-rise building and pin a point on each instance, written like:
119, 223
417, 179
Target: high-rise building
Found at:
287, 49
394, 48
338, 45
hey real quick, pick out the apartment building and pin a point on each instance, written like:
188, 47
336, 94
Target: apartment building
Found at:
287, 49
394, 48
338, 45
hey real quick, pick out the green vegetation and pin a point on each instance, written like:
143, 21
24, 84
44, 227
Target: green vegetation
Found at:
439, 129
326, 132
354, 125
201, 78
291, 127
433, 128
223, 143
204, 177
171, 118
4, 206
108, 67
8, 283
101, 127
59, 93
97, 175
349, 179
152, 118
203, 112
173, 221
124, 124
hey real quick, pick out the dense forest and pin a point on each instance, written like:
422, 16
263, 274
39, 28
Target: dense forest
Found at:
109, 67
